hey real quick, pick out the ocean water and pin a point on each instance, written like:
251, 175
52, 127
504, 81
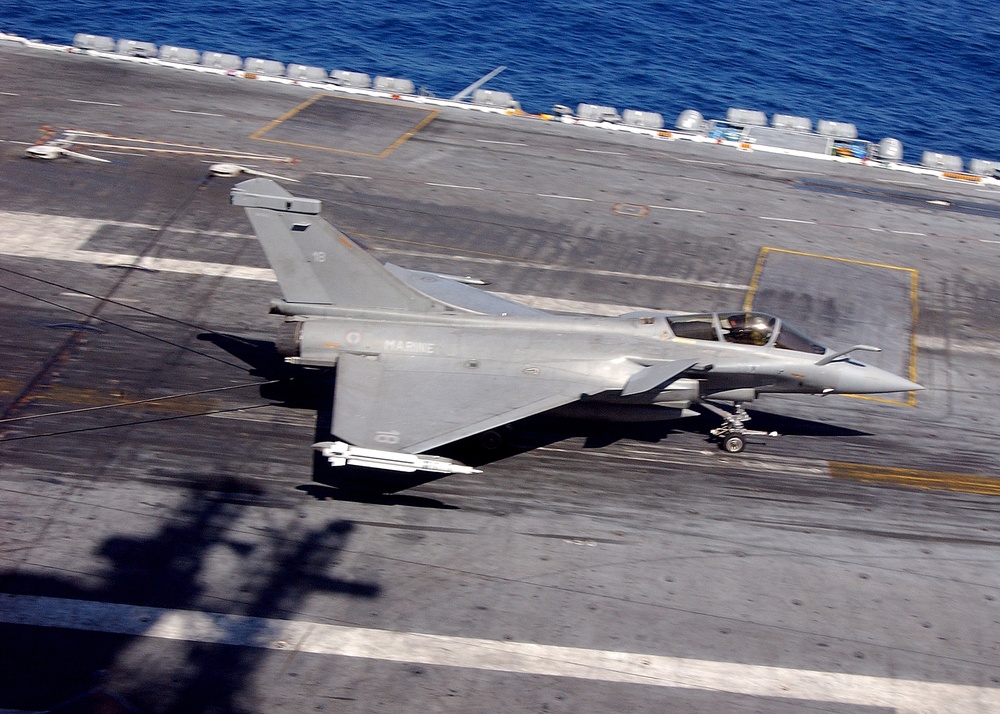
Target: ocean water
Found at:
924, 72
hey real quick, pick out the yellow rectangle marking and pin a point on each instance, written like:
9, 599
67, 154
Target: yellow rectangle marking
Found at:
286, 116
259, 134
101, 398
911, 398
915, 478
420, 125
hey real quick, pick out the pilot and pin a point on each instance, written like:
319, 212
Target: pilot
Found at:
748, 329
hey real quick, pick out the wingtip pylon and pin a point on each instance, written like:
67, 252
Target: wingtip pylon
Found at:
265, 193
340, 453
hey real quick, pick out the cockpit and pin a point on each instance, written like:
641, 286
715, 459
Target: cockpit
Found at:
743, 328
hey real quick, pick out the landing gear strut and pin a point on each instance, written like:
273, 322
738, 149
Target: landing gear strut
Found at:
732, 435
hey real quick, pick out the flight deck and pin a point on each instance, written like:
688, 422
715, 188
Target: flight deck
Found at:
172, 544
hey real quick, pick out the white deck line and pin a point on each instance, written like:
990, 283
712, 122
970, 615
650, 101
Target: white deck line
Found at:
568, 198
354, 176
88, 101
600, 151
504, 143
454, 185
674, 208
201, 114
786, 220
907, 696
30, 235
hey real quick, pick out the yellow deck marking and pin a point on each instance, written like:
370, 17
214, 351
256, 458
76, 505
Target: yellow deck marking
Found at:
286, 116
103, 398
916, 478
911, 399
259, 134
420, 125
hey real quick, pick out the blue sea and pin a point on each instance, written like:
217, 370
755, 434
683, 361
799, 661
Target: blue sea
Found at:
925, 72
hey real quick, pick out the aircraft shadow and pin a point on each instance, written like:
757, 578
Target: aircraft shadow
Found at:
796, 426
379, 495
290, 385
261, 355
548, 429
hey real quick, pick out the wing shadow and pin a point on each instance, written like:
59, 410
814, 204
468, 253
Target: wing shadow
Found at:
548, 429
386, 495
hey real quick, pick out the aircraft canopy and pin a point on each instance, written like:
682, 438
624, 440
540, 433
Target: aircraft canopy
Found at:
743, 328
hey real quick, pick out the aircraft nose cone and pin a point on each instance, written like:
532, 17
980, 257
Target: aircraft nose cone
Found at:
865, 379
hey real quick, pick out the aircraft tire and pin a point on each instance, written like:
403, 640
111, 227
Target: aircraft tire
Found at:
491, 440
733, 444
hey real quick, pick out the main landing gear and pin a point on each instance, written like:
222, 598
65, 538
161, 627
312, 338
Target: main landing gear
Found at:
732, 435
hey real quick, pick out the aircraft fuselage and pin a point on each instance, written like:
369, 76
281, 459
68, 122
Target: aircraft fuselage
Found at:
607, 351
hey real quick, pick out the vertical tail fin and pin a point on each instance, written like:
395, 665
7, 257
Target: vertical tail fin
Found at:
316, 263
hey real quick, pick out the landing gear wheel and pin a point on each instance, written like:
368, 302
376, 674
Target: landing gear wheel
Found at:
733, 444
491, 440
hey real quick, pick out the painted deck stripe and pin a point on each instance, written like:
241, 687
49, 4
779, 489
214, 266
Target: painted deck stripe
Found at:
453, 185
599, 151
88, 101
513, 262
905, 695
787, 220
503, 143
674, 208
700, 161
916, 478
568, 198
201, 114
27, 235
31, 235
357, 176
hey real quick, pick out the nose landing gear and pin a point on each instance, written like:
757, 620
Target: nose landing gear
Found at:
732, 435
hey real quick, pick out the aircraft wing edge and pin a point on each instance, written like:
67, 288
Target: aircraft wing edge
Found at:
656, 376
415, 403
537, 407
459, 295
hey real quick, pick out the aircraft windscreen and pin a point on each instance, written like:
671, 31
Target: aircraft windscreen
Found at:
789, 339
747, 328
693, 327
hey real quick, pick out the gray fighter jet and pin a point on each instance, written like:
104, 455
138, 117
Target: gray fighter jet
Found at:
423, 359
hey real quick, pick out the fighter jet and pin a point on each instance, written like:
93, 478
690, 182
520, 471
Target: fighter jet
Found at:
423, 360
